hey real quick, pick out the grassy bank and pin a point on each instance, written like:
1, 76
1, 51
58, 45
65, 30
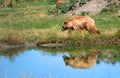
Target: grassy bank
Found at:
29, 23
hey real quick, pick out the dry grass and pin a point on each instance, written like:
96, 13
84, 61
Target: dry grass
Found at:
53, 35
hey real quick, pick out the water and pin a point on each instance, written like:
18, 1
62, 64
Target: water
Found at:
53, 63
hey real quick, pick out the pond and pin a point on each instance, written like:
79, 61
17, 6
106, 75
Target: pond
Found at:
59, 62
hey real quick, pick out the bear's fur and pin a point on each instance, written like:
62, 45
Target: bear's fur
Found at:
80, 23
83, 62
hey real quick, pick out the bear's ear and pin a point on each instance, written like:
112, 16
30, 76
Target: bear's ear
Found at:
65, 22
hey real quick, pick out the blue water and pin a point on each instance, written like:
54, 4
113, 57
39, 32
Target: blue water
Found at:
38, 64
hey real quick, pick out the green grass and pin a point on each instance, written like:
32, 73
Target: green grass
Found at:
107, 21
29, 22
28, 17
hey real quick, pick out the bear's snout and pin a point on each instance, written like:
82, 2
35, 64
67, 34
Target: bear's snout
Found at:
63, 28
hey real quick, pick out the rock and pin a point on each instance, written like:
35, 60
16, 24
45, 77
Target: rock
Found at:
93, 7
52, 45
7, 46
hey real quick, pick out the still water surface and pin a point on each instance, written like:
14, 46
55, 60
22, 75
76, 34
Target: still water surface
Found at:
36, 63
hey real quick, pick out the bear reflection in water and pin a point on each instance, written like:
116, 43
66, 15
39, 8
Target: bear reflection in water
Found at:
83, 62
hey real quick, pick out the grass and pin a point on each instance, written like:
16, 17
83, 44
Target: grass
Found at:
29, 23
107, 21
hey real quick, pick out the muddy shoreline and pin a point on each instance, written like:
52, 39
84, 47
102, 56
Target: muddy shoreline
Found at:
55, 44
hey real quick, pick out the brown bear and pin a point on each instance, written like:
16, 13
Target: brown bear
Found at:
80, 23
83, 62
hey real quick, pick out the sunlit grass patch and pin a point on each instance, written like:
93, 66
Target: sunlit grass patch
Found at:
55, 35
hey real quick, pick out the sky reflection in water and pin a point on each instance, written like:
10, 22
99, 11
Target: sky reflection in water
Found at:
37, 64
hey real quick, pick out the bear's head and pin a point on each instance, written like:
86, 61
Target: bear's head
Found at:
67, 25
64, 26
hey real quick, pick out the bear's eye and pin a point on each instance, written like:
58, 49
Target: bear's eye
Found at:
65, 22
